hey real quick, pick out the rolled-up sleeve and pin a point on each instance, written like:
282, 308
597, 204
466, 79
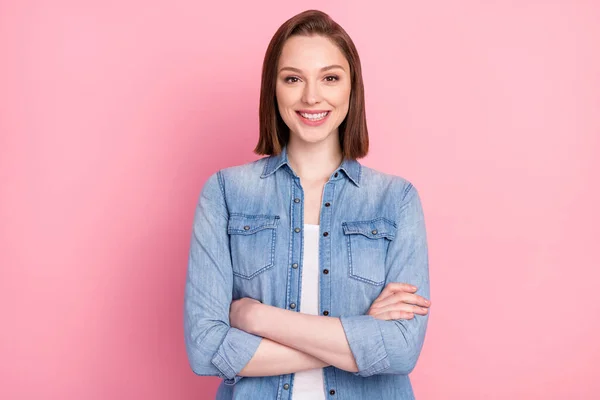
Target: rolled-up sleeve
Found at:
393, 347
213, 347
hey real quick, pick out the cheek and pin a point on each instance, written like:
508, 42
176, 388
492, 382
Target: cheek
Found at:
341, 98
284, 97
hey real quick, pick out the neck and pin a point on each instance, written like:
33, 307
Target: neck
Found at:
314, 161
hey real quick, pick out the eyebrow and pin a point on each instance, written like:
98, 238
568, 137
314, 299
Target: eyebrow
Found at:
327, 68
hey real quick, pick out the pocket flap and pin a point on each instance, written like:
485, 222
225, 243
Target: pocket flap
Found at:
373, 229
240, 224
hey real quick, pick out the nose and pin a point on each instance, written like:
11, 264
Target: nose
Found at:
311, 94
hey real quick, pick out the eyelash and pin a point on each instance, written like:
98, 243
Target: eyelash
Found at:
336, 78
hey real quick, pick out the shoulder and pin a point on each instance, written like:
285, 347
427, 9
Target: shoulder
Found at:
245, 172
238, 183
399, 197
396, 187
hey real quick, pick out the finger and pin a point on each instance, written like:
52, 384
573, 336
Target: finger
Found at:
402, 307
398, 306
401, 286
390, 315
408, 298
394, 287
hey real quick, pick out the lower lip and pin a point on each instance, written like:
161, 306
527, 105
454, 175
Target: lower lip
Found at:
313, 123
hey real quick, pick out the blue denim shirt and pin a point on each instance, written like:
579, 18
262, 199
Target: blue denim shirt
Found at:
247, 242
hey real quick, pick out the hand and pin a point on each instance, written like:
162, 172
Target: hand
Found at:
241, 314
398, 301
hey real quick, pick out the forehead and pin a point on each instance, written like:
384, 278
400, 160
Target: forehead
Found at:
311, 53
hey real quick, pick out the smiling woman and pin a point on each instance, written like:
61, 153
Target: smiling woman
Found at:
312, 67
308, 272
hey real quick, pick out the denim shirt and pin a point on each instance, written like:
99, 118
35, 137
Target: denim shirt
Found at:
247, 241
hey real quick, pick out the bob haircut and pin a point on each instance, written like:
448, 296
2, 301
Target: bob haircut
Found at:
274, 133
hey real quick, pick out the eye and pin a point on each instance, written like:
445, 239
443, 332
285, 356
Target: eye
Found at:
332, 78
291, 79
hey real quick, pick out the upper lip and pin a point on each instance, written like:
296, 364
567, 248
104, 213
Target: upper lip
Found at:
312, 111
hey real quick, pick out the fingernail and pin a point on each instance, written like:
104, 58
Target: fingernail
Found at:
414, 287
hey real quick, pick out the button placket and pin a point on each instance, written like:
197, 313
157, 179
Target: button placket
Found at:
296, 238
325, 262
325, 245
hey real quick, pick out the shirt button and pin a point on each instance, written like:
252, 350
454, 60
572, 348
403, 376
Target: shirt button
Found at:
294, 265
326, 313
336, 175
326, 234
293, 305
325, 271
297, 230
296, 200
327, 204
286, 386
246, 227
374, 231
332, 392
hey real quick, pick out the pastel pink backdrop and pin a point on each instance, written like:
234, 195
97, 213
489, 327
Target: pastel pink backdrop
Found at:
113, 114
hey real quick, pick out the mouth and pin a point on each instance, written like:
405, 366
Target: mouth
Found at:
313, 118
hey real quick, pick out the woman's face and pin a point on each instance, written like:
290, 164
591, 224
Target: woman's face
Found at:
313, 88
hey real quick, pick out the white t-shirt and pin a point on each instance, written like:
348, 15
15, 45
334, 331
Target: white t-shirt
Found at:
309, 384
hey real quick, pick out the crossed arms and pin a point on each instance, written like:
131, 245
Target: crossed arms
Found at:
274, 341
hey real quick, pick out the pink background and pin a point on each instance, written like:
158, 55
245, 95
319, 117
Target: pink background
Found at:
113, 114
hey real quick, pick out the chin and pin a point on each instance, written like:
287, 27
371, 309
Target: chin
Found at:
315, 137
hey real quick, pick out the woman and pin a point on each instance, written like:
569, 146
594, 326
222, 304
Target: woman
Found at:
302, 264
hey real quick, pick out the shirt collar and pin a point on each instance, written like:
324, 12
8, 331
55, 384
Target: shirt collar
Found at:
351, 168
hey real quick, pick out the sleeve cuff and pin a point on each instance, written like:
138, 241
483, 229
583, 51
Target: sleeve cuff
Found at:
366, 342
234, 353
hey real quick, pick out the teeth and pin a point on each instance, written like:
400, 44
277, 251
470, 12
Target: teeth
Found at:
315, 117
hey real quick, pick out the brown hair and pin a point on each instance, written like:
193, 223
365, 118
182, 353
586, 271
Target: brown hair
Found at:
274, 133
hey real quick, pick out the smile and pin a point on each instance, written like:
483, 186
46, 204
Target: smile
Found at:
313, 118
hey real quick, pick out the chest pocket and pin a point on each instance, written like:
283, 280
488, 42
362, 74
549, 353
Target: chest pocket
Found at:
252, 242
368, 242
